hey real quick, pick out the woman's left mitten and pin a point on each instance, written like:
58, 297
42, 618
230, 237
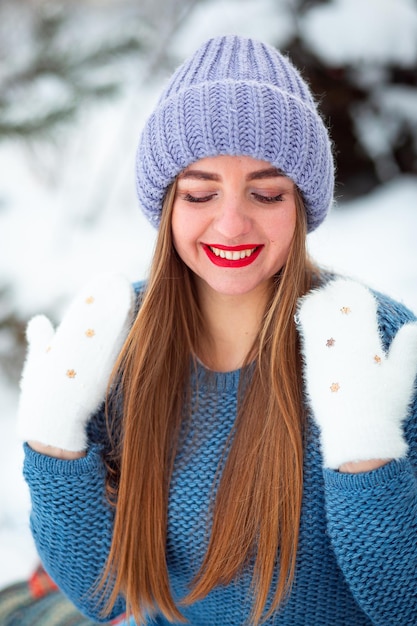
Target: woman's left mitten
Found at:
358, 393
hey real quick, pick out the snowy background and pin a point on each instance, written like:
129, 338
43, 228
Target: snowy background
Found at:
68, 207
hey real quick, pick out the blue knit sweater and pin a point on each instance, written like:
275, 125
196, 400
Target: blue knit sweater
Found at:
357, 554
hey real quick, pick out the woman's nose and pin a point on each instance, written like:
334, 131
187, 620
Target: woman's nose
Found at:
232, 220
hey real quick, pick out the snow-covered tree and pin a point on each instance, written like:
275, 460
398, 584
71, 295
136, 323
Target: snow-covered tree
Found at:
56, 57
362, 57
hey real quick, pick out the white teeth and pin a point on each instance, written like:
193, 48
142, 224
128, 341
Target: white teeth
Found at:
232, 255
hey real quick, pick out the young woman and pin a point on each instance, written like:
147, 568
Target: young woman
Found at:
256, 457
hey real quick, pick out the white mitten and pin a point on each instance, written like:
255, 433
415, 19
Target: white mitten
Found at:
359, 395
66, 373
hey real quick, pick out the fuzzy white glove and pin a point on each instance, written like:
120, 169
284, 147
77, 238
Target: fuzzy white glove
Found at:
66, 373
359, 395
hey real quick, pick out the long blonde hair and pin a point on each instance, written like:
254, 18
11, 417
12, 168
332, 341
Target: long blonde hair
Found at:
252, 521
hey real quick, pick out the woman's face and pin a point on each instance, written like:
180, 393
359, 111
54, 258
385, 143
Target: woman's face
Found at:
233, 220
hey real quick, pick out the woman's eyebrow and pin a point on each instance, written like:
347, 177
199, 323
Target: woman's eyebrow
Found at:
270, 172
198, 175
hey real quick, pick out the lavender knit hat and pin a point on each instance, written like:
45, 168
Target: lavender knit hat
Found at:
236, 96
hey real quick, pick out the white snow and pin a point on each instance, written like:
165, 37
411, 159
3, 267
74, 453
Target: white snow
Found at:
373, 239
18, 555
268, 20
61, 224
354, 31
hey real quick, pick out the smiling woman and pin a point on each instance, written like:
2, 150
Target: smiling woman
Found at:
237, 439
244, 218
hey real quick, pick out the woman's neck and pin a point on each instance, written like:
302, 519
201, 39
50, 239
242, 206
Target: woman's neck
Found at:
232, 324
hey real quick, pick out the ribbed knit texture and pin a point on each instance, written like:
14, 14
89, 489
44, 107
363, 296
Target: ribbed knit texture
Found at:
357, 556
236, 96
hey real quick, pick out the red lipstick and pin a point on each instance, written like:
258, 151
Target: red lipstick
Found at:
219, 259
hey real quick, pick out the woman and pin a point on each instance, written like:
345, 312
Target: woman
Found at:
256, 456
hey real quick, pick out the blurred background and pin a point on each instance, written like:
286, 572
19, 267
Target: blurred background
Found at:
77, 80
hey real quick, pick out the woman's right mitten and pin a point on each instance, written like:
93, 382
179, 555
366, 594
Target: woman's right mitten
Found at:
66, 373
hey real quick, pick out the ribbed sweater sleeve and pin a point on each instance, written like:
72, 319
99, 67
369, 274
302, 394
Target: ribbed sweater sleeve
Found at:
372, 517
372, 523
72, 525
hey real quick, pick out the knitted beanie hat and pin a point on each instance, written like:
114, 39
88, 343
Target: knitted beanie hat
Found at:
236, 96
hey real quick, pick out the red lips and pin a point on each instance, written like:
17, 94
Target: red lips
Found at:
243, 261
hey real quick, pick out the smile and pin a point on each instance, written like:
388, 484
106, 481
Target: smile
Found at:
237, 256
232, 255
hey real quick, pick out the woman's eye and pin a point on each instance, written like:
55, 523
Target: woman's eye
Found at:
188, 197
267, 199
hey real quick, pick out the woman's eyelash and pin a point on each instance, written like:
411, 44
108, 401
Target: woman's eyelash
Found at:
268, 199
189, 198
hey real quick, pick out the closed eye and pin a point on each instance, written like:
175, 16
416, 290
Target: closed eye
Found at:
190, 198
268, 199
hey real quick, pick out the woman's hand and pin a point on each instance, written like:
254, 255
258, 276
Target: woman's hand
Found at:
57, 453
359, 395
65, 377
362, 466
